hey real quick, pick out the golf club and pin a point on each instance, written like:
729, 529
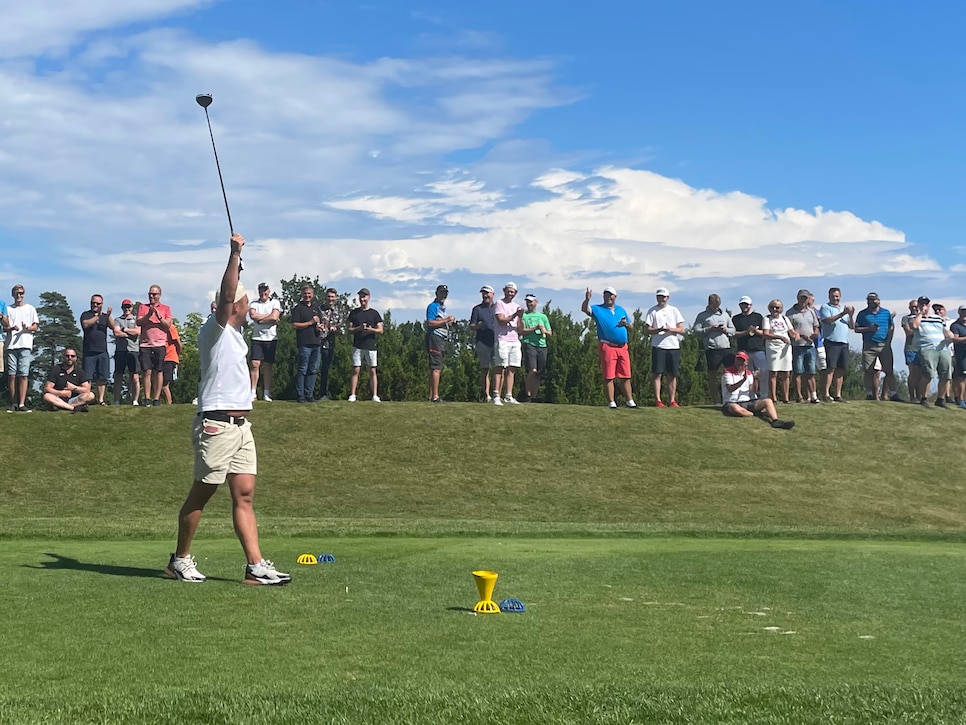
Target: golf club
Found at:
204, 100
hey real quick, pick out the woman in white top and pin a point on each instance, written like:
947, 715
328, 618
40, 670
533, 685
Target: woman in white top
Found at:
777, 330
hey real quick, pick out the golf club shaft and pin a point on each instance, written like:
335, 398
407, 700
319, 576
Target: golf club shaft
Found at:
221, 180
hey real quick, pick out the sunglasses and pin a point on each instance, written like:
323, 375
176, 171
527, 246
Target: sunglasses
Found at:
70, 356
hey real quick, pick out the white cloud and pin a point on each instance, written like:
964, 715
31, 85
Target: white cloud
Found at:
42, 26
342, 169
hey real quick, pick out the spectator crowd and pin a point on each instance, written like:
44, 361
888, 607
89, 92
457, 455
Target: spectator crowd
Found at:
753, 360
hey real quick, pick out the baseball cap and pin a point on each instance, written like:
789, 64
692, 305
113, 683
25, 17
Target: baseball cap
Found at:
262, 285
746, 300
510, 285
872, 296
442, 288
662, 291
486, 288
923, 300
961, 308
610, 290
364, 292
742, 354
530, 297
126, 302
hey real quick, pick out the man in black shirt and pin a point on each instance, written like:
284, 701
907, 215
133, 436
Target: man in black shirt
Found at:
306, 318
748, 326
96, 361
364, 324
68, 387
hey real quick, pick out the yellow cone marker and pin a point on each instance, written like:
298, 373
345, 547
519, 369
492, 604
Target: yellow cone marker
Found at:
307, 559
485, 582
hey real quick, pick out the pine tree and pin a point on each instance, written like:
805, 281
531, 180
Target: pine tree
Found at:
58, 331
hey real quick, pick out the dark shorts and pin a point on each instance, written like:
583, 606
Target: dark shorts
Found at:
959, 363
837, 355
665, 361
534, 358
97, 365
264, 350
152, 358
126, 362
716, 359
167, 371
748, 405
436, 347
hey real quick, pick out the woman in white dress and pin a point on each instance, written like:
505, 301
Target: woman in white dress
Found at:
777, 330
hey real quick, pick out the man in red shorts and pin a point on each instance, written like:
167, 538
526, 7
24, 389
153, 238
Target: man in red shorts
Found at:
612, 325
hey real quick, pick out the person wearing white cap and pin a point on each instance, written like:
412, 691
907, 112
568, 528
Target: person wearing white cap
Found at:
483, 323
748, 337
612, 324
509, 318
222, 434
716, 330
665, 325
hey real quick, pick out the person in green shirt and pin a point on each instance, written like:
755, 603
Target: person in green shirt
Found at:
536, 330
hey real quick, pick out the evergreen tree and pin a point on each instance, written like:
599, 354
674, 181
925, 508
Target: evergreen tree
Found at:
58, 331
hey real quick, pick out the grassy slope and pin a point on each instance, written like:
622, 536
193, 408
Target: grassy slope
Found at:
846, 470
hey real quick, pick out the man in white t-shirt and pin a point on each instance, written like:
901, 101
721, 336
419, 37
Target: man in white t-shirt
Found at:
222, 436
264, 314
21, 324
739, 394
665, 325
509, 319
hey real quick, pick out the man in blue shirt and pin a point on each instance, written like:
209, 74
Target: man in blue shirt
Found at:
437, 330
836, 322
612, 326
876, 326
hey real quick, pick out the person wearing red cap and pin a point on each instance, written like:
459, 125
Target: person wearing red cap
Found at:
739, 395
126, 335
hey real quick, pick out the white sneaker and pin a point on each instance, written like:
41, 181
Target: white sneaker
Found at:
352, 398
630, 404
376, 399
264, 572
511, 400
184, 569
254, 395
496, 400
612, 404
137, 403
267, 398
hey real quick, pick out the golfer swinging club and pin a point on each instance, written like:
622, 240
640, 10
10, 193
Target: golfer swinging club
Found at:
222, 436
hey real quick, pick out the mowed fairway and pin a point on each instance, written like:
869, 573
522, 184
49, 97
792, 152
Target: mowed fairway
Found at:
671, 574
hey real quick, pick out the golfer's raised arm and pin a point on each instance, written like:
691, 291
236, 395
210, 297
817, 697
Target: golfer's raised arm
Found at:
229, 283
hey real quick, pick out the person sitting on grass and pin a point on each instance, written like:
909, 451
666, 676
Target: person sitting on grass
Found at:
68, 387
739, 393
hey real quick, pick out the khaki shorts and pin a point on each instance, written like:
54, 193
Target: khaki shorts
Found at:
221, 449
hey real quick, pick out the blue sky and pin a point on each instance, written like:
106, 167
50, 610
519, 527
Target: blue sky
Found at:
744, 148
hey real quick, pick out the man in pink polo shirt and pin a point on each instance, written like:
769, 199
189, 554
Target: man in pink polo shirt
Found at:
154, 319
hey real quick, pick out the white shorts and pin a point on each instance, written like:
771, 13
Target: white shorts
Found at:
508, 354
368, 355
222, 448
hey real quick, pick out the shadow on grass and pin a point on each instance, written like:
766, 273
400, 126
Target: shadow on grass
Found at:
70, 564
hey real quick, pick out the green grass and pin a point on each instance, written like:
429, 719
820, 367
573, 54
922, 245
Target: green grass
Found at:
677, 567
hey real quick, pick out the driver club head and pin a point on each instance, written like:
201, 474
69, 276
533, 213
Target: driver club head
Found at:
203, 99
